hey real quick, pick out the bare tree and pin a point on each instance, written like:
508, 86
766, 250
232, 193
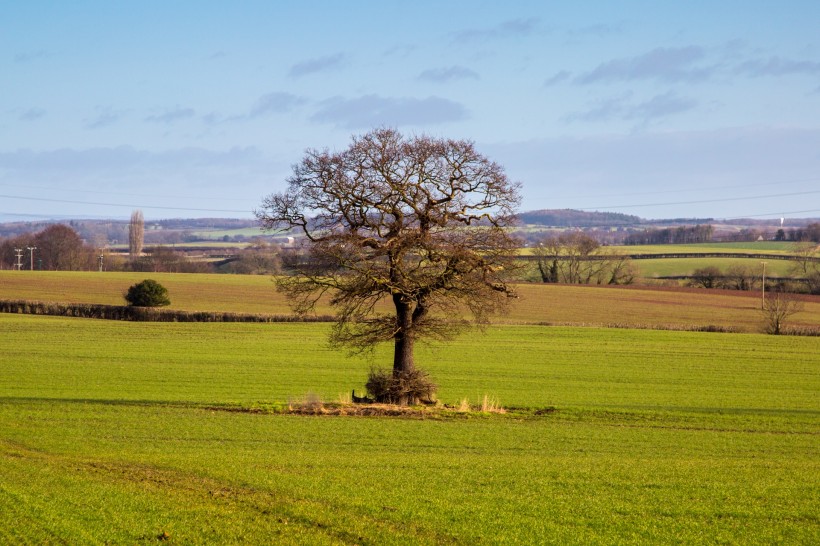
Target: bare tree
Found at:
577, 258
807, 265
709, 276
136, 234
741, 277
777, 308
417, 222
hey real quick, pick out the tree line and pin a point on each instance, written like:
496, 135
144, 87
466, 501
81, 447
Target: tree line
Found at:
701, 233
59, 247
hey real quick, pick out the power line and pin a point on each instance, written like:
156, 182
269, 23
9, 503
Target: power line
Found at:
701, 201
149, 207
125, 194
687, 190
781, 213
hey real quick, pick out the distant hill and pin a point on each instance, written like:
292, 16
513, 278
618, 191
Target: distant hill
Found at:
577, 218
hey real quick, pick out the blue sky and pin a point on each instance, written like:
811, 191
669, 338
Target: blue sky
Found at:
193, 109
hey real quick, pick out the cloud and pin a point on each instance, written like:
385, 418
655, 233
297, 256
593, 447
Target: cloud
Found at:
105, 118
688, 64
661, 106
171, 116
444, 75
776, 66
319, 64
32, 114
28, 56
675, 64
508, 29
597, 30
275, 103
657, 107
400, 50
557, 78
372, 111
604, 110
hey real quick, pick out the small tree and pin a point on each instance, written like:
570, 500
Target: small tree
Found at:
148, 293
136, 234
417, 223
777, 308
741, 277
807, 264
707, 277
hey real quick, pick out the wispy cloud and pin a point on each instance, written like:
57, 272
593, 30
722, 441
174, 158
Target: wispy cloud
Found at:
660, 106
28, 56
320, 64
776, 66
373, 110
689, 64
557, 78
508, 29
172, 115
623, 108
402, 50
444, 75
32, 114
276, 102
104, 118
673, 64
597, 30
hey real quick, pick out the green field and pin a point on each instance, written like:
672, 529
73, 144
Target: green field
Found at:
754, 247
114, 432
665, 267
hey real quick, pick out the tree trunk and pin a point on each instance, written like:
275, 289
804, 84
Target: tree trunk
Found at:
403, 338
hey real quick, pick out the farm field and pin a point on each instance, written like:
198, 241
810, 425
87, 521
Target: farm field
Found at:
114, 432
538, 303
665, 267
755, 247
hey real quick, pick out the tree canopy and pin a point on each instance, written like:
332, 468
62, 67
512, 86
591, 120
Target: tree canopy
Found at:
418, 222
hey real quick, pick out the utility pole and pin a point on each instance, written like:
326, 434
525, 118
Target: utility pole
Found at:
763, 302
19, 253
31, 249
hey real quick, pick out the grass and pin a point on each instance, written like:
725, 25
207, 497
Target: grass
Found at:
532, 366
663, 267
111, 433
754, 247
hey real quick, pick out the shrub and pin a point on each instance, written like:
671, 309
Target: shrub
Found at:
409, 387
148, 293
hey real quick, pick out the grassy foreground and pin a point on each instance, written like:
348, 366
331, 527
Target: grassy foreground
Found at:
117, 433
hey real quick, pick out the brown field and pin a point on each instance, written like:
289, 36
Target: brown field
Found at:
633, 306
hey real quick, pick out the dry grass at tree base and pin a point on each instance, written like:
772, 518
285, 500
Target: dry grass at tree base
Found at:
312, 404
